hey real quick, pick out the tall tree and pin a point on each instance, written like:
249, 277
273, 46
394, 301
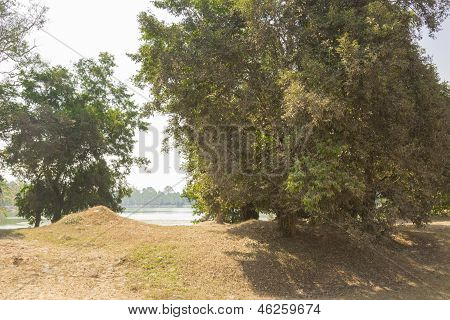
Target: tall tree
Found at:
70, 135
338, 114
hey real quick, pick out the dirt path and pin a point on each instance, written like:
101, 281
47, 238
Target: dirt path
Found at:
98, 255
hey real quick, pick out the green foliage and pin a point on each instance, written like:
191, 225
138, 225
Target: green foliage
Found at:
343, 118
69, 135
442, 207
207, 202
324, 179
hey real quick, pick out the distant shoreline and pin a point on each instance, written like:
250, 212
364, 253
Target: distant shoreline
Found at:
156, 206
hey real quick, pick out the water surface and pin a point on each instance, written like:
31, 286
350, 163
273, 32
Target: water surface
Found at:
159, 216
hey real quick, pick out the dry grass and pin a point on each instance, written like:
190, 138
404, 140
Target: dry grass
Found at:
100, 255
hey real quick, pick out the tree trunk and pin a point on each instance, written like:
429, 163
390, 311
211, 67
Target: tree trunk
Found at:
302, 214
56, 216
369, 197
37, 220
287, 224
60, 206
248, 212
219, 217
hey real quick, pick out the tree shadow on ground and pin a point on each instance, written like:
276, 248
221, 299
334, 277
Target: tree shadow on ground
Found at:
10, 234
324, 263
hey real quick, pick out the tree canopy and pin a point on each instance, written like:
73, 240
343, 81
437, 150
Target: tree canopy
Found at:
69, 136
328, 110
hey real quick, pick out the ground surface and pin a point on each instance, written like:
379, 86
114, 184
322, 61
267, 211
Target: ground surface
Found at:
99, 255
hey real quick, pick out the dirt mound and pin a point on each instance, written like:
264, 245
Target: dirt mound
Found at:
93, 216
97, 254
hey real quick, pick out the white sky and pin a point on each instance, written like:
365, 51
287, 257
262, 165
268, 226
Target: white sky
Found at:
93, 26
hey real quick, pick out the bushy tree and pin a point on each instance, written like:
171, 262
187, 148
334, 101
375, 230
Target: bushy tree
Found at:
69, 135
322, 109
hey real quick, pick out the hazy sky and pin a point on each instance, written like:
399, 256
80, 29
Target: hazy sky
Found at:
93, 26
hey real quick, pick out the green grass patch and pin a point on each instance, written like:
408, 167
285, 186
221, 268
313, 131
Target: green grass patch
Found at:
156, 272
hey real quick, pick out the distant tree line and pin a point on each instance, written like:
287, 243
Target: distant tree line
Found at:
149, 197
146, 197
9, 190
8, 193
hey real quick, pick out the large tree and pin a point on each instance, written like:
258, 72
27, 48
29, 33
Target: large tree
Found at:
69, 135
322, 109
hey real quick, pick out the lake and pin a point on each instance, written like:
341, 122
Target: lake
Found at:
8, 223
159, 216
